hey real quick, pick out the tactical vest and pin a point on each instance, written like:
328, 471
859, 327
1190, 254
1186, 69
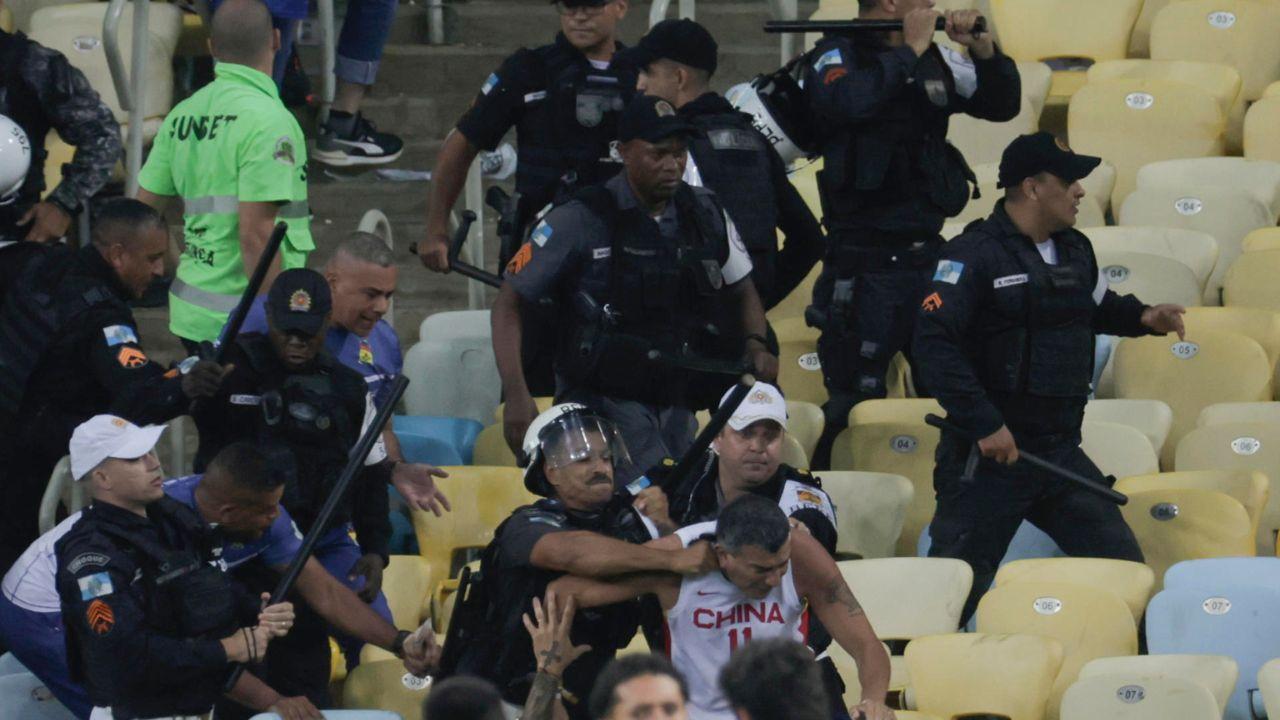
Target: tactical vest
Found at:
20, 104
659, 298
734, 161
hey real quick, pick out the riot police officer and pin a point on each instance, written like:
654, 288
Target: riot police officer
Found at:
152, 620
1005, 339
677, 59
652, 279
573, 454
880, 108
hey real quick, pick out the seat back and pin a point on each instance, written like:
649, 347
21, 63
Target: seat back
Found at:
979, 673
491, 448
902, 448
454, 377
1216, 673
1251, 412
982, 141
805, 422
1213, 573
1240, 33
406, 583
899, 410
800, 372
1261, 142
543, 403
1153, 279
1152, 418
1193, 248
1123, 697
1261, 239
908, 597
23, 695
1240, 446
1269, 686
870, 509
1259, 178
436, 440
1119, 450
1131, 581
1093, 29
1173, 525
378, 685
1219, 80
1248, 487
1260, 324
1250, 281
454, 324
793, 453
793, 305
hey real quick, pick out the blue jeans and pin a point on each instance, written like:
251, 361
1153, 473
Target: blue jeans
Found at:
337, 552
38, 641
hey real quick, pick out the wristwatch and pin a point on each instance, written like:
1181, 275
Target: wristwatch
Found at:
397, 645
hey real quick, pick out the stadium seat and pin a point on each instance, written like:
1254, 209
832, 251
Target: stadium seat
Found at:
1259, 178
436, 440
1153, 279
800, 372
1238, 621
976, 673
1261, 239
1104, 382
907, 598
1029, 543
1140, 40
804, 423
406, 582
793, 305
1272, 90
1197, 250
1239, 446
1219, 80
6, 19
870, 508
1069, 30
1213, 573
1088, 620
1099, 185
982, 141
542, 403
795, 328
1269, 686
901, 410
1248, 487
1259, 412
1133, 122
903, 448
793, 453
1240, 33
1261, 142
491, 449
1119, 450
1259, 324
1250, 281
1216, 673
379, 686
23, 696
456, 324
1173, 525
454, 377
482, 497
1122, 697
1132, 582
1210, 367
952, 230
1152, 417
10, 665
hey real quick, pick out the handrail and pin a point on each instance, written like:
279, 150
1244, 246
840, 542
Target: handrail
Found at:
130, 85
473, 200
782, 10
328, 83
111, 46
435, 22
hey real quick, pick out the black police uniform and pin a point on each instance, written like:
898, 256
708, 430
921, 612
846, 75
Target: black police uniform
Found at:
502, 651
70, 351
145, 603
1005, 338
889, 181
41, 91
748, 177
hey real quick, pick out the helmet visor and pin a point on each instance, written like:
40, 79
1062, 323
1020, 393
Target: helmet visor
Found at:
578, 438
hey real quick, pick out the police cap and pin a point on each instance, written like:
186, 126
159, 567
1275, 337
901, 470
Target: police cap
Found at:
1033, 154
683, 41
299, 301
651, 119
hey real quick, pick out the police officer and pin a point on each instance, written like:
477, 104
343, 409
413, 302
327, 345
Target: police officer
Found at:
677, 59
235, 156
40, 91
645, 267
573, 454
880, 108
74, 351
152, 621
1005, 339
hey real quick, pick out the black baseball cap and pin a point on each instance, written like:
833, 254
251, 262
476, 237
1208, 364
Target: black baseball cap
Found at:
651, 119
299, 301
683, 41
1041, 152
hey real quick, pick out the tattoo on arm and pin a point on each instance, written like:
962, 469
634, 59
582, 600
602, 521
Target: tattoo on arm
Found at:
542, 697
550, 656
838, 592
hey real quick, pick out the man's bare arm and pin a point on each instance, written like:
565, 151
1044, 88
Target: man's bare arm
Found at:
336, 603
447, 181
589, 592
589, 554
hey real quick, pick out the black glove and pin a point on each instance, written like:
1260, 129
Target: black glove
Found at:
203, 379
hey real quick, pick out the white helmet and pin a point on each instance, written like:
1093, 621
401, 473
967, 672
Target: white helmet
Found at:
15, 159
761, 99
564, 434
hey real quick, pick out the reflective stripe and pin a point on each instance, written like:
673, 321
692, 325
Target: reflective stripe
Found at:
294, 210
229, 204
216, 302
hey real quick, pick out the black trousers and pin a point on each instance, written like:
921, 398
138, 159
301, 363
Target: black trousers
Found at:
975, 520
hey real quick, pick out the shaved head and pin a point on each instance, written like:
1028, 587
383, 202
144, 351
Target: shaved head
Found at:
242, 32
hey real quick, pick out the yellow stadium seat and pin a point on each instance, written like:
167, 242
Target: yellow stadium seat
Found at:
977, 673
1240, 446
1092, 212
1089, 621
543, 403
1131, 581
1261, 239
491, 448
870, 508
804, 423
1197, 250
1131, 122
6, 19
1261, 142
1119, 450
337, 663
1227, 215
1272, 90
909, 597
1255, 412
1249, 487
793, 453
1153, 279
1251, 281
1217, 673
380, 686
795, 329
1140, 39
445, 598
1210, 366
1152, 417
897, 381
1259, 178
482, 497
982, 141
901, 410
1121, 697
902, 448
1092, 30
952, 230
793, 305
1269, 684
637, 646
1262, 325
1240, 33
1219, 80
800, 372
1098, 185
1173, 525
406, 583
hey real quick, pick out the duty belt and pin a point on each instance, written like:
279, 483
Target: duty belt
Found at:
863, 257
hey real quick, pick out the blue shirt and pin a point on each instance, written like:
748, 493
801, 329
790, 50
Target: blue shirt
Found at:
276, 547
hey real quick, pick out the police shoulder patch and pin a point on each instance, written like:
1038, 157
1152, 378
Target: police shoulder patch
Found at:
119, 335
100, 616
541, 234
489, 84
95, 585
284, 151
830, 57
949, 271
131, 358
85, 559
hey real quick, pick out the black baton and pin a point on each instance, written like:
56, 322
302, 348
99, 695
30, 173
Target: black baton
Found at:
689, 461
1092, 486
236, 320
465, 269
838, 27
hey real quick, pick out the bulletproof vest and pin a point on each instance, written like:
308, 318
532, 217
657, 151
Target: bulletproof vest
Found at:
734, 161
46, 298
20, 104
1037, 338
569, 142
659, 296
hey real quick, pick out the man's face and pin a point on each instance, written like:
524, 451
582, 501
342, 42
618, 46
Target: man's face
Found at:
139, 260
585, 484
648, 697
293, 348
753, 570
751, 455
361, 294
135, 482
247, 515
655, 169
1057, 200
588, 27
660, 78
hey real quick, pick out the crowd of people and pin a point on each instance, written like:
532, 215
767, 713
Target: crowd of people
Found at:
640, 254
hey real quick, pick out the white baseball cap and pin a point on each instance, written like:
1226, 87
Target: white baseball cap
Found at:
107, 436
763, 402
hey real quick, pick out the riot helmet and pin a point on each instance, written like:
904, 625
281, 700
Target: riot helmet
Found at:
15, 159
565, 434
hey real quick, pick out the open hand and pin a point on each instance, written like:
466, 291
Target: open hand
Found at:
549, 631
416, 482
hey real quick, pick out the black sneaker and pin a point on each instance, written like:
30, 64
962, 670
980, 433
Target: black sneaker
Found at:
363, 145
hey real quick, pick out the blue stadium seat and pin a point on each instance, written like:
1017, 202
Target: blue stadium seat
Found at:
10, 665
1212, 573
1029, 542
24, 697
436, 440
1234, 620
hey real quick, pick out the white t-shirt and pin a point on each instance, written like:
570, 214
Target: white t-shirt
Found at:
30, 583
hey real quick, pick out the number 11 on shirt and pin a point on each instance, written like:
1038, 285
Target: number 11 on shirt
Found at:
733, 638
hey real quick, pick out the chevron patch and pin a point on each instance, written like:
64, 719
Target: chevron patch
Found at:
100, 616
